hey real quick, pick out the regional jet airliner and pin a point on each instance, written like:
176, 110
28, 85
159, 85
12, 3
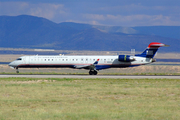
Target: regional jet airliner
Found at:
91, 63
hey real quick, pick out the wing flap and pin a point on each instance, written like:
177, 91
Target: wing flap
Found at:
81, 66
90, 66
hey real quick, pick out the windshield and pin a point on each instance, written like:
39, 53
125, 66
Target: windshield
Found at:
19, 59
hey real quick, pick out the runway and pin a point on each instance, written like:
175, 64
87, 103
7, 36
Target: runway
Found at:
94, 76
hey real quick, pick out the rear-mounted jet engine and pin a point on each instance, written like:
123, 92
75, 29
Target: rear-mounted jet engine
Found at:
125, 58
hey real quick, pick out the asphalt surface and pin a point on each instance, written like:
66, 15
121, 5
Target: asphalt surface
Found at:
92, 76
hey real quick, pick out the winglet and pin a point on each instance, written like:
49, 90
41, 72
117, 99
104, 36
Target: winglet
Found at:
95, 63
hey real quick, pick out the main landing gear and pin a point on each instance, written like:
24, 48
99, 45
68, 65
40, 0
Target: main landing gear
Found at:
93, 72
17, 71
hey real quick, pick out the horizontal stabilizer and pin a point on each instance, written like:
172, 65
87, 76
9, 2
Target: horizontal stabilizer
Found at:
157, 45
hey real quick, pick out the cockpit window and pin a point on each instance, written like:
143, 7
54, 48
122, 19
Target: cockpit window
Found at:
19, 59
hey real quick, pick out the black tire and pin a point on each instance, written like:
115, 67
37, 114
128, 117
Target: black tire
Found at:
90, 72
95, 72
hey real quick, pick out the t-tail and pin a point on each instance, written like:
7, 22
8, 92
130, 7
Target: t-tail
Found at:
151, 50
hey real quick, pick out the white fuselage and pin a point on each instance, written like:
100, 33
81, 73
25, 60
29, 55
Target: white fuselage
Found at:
72, 61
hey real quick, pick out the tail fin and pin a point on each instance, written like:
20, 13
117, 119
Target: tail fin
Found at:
151, 50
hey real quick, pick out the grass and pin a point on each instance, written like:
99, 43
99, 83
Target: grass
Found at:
68, 98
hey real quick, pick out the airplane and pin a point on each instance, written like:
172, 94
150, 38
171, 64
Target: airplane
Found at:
91, 63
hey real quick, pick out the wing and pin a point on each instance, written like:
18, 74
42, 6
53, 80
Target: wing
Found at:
91, 66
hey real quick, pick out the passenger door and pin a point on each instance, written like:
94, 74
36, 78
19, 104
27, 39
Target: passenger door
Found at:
27, 60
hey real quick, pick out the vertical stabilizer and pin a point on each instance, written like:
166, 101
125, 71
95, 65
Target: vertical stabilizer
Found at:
151, 50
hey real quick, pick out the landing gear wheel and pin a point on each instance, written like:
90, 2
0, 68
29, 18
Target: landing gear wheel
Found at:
94, 72
90, 72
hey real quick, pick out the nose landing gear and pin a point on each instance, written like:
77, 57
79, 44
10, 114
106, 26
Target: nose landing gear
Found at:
93, 72
17, 71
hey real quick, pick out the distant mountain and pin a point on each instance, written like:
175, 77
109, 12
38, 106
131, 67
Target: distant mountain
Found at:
164, 31
35, 32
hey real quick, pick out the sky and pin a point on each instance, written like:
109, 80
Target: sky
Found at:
127, 13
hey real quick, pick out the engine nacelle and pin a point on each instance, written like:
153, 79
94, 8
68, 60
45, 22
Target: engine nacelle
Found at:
125, 58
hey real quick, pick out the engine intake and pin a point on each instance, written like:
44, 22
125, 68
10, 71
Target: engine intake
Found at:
125, 58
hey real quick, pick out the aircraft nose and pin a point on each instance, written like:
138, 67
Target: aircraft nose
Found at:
11, 64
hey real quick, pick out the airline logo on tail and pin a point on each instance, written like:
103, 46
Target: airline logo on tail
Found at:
151, 50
